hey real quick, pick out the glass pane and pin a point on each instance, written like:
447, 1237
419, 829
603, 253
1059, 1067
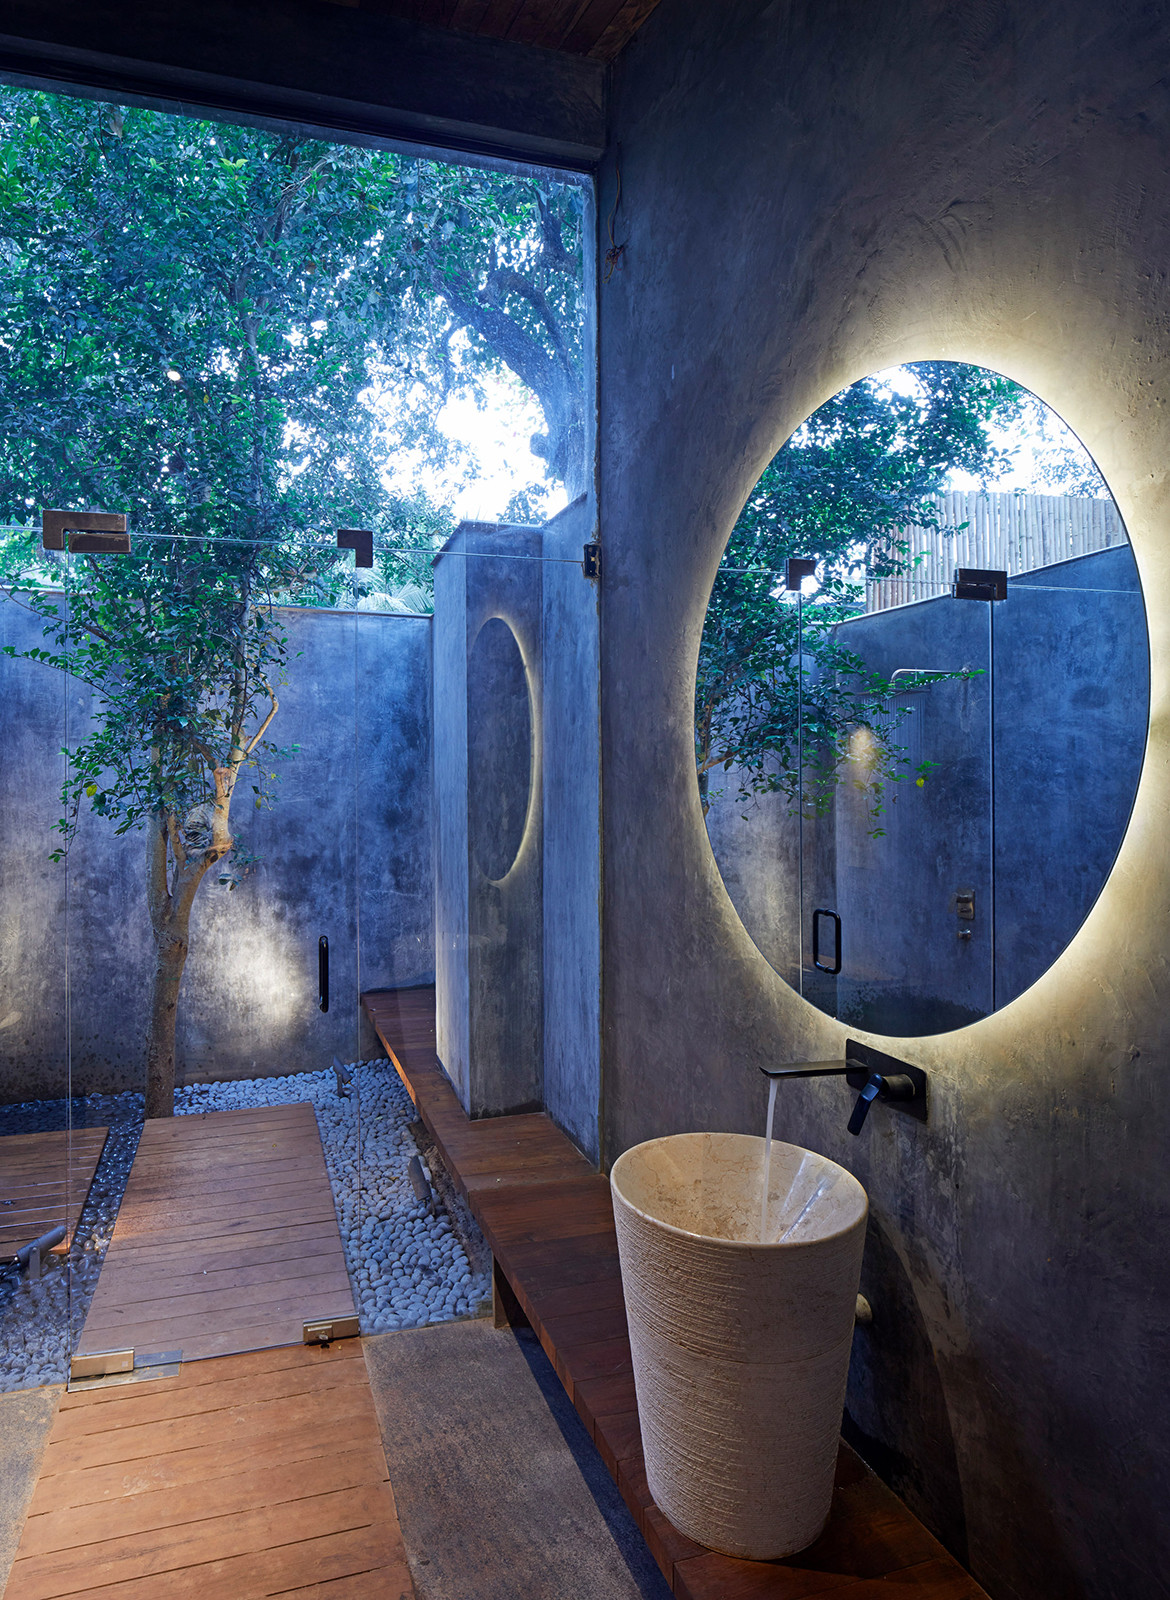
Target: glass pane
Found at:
1071, 711
897, 837
212, 905
34, 1122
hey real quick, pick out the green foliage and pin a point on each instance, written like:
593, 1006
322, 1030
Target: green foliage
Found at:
185, 653
236, 337
843, 489
233, 336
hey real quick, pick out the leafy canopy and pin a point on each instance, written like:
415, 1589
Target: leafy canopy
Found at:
236, 336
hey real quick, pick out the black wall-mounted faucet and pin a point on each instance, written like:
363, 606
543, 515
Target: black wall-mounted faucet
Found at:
874, 1075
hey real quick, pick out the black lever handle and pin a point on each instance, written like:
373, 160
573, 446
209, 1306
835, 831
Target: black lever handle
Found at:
865, 1099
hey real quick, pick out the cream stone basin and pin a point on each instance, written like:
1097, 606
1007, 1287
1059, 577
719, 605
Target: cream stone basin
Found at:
740, 1347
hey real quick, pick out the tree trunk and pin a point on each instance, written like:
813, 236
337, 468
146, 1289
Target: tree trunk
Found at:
171, 942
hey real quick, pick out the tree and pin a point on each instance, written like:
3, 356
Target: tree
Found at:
228, 334
861, 470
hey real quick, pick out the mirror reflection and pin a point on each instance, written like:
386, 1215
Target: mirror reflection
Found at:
922, 698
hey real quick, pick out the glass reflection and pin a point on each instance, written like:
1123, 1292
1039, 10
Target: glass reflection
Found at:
921, 790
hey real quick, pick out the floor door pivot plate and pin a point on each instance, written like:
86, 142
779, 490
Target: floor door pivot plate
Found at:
326, 1329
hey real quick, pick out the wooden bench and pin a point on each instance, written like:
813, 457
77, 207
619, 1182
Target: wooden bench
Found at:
548, 1217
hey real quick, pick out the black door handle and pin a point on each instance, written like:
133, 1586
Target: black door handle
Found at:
323, 973
817, 962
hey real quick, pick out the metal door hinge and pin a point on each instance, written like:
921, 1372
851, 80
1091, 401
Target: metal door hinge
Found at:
326, 1329
100, 1363
591, 561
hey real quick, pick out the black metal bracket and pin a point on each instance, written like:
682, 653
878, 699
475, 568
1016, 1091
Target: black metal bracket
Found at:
591, 561
979, 583
91, 533
797, 569
360, 541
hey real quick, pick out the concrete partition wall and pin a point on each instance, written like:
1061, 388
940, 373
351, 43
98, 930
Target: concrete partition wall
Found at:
811, 192
488, 823
572, 821
517, 821
344, 851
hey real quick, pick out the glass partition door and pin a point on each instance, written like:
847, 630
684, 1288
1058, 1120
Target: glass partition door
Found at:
896, 821
212, 924
35, 1219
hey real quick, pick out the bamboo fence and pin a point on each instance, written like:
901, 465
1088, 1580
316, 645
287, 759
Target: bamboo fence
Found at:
1008, 532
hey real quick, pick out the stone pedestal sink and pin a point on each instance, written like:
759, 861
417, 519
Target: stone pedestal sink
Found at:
740, 1347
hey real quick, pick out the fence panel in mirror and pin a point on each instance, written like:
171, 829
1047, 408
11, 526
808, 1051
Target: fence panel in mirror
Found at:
917, 765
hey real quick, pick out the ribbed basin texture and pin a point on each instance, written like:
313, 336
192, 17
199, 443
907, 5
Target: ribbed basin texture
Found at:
740, 1348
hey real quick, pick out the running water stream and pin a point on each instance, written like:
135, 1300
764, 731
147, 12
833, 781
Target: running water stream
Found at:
773, 1084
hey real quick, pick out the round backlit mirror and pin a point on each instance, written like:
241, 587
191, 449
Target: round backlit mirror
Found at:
922, 698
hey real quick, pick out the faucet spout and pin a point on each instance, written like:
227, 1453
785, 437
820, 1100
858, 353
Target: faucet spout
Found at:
876, 1076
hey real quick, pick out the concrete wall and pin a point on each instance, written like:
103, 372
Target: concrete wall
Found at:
345, 851
517, 809
1071, 701
488, 810
571, 741
811, 192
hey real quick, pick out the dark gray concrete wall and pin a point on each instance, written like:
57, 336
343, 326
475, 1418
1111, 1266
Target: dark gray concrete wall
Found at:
517, 809
488, 811
345, 851
810, 193
571, 742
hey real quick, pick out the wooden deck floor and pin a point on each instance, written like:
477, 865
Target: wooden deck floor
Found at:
548, 1218
226, 1239
244, 1476
45, 1180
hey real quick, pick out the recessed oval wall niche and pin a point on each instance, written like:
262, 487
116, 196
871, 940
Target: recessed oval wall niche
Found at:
922, 699
499, 748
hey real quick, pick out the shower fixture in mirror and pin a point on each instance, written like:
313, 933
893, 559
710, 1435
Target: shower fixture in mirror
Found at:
917, 764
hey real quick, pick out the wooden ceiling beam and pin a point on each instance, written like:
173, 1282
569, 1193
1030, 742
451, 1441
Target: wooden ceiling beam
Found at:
337, 68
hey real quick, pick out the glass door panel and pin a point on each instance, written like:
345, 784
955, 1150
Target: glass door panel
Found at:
896, 822
212, 904
34, 1123
1071, 711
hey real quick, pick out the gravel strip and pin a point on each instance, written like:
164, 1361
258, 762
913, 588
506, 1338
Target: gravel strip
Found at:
410, 1262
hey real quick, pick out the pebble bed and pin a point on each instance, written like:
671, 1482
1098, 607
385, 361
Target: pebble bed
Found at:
410, 1262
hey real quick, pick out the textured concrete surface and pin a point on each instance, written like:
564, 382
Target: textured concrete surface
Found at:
810, 193
571, 741
500, 1491
25, 1420
488, 779
345, 851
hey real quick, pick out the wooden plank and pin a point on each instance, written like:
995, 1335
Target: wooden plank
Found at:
551, 1230
255, 1476
45, 1179
226, 1240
